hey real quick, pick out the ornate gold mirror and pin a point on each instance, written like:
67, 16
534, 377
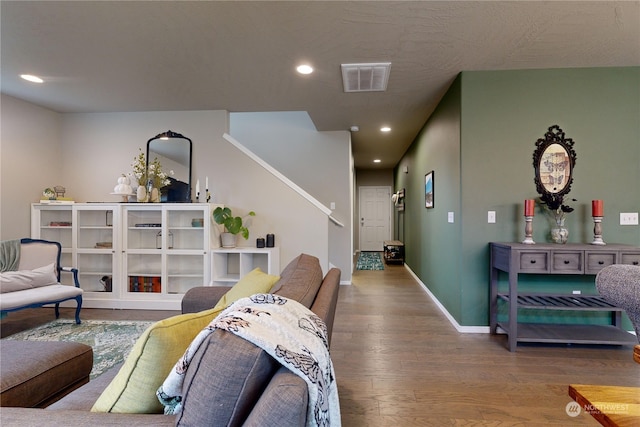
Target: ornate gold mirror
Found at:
553, 161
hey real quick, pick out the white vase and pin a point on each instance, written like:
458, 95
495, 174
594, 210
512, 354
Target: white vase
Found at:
141, 194
228, 240
154, 197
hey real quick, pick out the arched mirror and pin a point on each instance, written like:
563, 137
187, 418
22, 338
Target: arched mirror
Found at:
173, 150
553, 161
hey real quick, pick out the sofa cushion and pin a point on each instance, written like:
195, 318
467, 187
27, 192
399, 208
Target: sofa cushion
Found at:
254, 282
36, 373
133, 390
300, 280
225, 379
159, 348
12, 281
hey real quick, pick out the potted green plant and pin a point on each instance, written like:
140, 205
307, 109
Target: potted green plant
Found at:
232, 226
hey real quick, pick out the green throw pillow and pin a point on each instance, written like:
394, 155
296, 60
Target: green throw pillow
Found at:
254, 282
133, 390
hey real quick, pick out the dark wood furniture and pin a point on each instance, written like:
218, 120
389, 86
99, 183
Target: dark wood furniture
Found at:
547, 259
393, 251
609, 405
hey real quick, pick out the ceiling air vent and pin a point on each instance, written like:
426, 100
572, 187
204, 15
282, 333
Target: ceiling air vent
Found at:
365, 77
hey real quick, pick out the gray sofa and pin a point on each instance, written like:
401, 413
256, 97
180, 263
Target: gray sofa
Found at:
230, 382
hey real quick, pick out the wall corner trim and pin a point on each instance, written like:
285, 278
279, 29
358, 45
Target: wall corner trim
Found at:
452, 320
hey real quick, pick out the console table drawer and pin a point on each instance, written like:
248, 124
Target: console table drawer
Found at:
598, 261
632, 259
534, 262
566, 262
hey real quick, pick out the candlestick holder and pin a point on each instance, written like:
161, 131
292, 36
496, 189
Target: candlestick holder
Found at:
198, 197
597, 231
528, 231
208, 196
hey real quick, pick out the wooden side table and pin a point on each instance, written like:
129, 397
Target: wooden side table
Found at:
609, 405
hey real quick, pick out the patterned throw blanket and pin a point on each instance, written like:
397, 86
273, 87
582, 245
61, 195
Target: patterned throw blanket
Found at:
286, 330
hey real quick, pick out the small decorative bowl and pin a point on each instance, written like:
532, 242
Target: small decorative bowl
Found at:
197, 222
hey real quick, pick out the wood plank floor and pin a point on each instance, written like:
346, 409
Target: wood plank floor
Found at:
399, 362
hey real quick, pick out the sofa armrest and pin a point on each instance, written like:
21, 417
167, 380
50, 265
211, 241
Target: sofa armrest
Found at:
202, 298
73, 271
324, 306
620, 285
283, 403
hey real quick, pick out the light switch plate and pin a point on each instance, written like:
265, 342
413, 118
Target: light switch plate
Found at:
450, 217
628, 218
491, 217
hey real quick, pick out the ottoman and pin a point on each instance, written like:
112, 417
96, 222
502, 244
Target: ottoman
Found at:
34, 374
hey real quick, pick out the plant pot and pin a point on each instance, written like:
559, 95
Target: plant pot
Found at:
228, 240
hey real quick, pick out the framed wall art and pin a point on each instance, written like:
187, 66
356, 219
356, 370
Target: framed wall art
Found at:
428, 190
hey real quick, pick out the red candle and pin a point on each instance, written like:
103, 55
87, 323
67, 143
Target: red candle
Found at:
529, 204
597, 208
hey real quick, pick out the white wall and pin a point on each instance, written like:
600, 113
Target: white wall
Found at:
319, 162
92, 150
30, 159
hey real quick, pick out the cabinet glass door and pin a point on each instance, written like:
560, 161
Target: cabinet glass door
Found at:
95, 250
186, 240
143, 260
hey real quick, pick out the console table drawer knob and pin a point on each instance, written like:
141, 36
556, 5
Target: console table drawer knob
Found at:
601, 262
636, 262
533, 261
566, 261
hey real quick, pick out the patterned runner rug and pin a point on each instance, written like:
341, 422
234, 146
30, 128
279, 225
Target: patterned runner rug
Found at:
369, 261
111, 340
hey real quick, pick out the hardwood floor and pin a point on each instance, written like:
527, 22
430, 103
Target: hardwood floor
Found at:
399, 362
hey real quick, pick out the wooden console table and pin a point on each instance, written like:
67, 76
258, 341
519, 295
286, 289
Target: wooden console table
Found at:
546, 259
609, 405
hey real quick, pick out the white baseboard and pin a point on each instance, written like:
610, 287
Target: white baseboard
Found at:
452, 320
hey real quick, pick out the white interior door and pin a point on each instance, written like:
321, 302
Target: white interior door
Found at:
375, 217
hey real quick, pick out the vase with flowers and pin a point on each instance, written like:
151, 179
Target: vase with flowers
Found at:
558, 211
151, 178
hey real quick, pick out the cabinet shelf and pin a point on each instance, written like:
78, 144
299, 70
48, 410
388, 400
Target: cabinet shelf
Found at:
571, 334
562, 302
229, 265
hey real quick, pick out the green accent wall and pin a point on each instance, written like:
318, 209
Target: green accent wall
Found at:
480, 142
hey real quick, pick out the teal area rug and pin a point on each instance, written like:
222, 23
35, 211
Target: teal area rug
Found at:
369, 261
111, 340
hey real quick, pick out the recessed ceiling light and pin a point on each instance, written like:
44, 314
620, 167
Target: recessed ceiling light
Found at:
385, 129
304, 69
32, 78
377, 161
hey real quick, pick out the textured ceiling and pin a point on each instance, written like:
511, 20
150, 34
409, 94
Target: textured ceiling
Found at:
100, 56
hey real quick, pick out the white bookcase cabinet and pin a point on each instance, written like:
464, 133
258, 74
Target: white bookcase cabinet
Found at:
153, 253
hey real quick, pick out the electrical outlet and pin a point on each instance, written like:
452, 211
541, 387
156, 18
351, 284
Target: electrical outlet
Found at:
491, 217
628, 218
